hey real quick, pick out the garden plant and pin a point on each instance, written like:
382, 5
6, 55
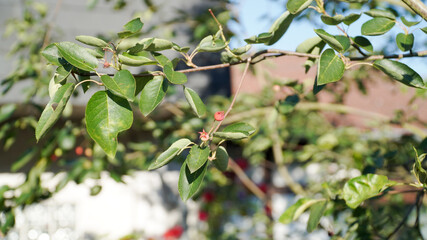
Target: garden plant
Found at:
277, 134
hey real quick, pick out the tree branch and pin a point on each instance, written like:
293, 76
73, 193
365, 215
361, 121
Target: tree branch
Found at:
418, 7
246, 180
405, 218
273, 53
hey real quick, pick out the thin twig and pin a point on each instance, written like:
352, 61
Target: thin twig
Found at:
273, 53
405, 218
417, 220
234, 98
281, 168
46, 39
89, 80
246, 180
418, 7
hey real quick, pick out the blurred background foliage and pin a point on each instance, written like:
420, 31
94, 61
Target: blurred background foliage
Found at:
327, 154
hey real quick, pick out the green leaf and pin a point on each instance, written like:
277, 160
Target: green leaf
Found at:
151, 44
241, 50
188, 182
173, 76
236, 131
312, 45
308, 45
135, 60
6, 111
405, 41
331, 67
122, 84
316, 212
152, 94
280, 26
156, 44
161, 59
288, 105
363, 43
409, 23
221, 158
377, 26
358, 189
62, 73
296, 6
8, 220
231, 135
53, 109
351, 18
240, 127
294, 212
380, 13
329, 39
97, 52
92, 41
195, 102
177, 48
260, 38
141, 82
419, 172
168, 155
344, 41
197, 157
401, 72
132, 27
106, 116
211, 44
424, 29
95, 190
23, 159
52, 55
335, 20
77, 56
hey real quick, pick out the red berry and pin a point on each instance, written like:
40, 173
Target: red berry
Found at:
208, 197
219, 116
267, 210
53, 157
243, 163
173, 233
263, 187
78, 150
203, 216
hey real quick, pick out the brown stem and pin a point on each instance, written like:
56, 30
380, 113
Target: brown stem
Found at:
46, 39
418, 7
405, 218
234, 98
272, 53
281, 168
246, 180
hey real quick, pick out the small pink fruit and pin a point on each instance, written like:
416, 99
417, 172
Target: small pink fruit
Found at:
219, 116
204, 136
106, 64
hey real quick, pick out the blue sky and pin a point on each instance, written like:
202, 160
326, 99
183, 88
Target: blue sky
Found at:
256, 16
